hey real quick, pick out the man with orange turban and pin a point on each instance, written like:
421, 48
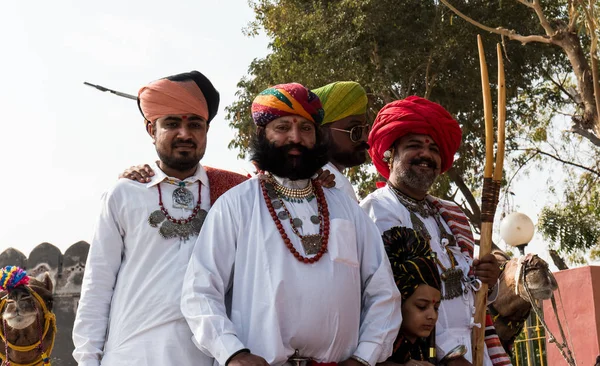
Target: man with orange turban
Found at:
129, 310
285, 271
412, 142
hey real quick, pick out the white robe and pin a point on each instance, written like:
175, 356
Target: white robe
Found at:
244, 289
455, 322
129, 312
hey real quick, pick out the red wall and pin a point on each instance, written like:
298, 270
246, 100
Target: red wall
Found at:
580, 290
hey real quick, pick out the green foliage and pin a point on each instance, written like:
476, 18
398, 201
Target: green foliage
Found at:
401, 48
573, 223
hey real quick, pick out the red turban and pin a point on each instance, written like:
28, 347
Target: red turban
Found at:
417, 116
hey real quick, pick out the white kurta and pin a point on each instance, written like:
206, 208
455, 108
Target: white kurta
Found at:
244, 289
455, 322
341, 181
129, 311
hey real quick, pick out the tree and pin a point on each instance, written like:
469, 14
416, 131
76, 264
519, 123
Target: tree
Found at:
572, 26
395, 49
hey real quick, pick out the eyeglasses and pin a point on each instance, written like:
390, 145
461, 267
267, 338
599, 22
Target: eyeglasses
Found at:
356, 132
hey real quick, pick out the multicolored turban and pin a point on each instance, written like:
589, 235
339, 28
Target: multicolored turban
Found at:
412, 260
342, 99
286, 100
187, 93
418, 116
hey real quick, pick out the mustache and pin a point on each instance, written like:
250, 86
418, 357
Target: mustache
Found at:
430, 163
178, 143
286, 148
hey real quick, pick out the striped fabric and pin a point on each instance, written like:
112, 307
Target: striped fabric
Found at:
459, 225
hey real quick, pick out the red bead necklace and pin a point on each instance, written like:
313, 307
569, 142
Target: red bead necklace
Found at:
180, 221
323, 226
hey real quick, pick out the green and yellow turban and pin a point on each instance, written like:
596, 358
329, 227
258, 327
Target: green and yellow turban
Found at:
342, 99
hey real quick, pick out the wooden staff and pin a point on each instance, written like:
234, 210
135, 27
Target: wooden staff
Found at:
492, 178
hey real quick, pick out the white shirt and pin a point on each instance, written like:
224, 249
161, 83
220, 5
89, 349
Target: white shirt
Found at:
341, 181
244, 289
129, 311
455, 321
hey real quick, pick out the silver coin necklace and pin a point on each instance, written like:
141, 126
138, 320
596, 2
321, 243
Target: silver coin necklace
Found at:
183, 228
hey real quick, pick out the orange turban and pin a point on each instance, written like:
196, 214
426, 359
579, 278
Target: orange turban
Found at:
188, 93
417, 116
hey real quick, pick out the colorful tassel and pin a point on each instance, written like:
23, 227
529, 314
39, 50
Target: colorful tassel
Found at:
12, 277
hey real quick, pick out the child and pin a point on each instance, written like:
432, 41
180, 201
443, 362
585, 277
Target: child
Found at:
418, 280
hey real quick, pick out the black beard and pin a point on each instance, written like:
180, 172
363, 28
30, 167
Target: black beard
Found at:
420, 181
187, 161
349, 159
277, 160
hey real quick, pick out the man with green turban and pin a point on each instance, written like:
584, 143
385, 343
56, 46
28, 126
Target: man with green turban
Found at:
345, 123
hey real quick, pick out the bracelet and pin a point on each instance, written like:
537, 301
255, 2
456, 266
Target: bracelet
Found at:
235, 354
360, 360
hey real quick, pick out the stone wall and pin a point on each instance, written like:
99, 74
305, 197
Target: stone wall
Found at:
66, 271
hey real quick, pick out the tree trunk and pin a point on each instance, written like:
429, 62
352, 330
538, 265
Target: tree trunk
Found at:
559, 262
475, 214
571, 45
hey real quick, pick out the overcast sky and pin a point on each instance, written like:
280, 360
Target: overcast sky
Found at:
64, 143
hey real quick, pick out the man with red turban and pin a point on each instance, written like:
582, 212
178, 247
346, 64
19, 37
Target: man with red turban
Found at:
412, 142
285, 271
129, 310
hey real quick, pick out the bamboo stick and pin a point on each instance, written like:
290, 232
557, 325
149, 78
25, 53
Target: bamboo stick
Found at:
489, 199
487, 111
501, 116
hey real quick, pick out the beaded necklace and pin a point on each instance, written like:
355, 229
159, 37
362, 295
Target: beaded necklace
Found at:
290, 194
172, 227
312, 244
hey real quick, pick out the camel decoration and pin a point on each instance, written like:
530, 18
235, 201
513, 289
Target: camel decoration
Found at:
28, 324
512, 307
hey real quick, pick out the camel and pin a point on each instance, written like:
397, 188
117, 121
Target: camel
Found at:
28, 323
511, 309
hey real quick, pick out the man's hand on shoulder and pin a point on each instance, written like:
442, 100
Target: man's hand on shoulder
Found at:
247, 359
139, 173
326, 178
487, 269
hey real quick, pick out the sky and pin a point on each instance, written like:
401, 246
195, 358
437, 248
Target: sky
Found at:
63, 143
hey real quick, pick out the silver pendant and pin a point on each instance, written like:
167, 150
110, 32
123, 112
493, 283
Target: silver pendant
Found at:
183, 198
311, 244
282, 215
452, 283
297, 222
315, 220
198, 221
277, 204
156, 218
170, 230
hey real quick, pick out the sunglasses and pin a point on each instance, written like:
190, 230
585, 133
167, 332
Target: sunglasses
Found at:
356, 132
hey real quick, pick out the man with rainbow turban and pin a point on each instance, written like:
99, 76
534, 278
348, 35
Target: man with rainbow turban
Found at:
412, 142
285, 270
129, 310
345, 123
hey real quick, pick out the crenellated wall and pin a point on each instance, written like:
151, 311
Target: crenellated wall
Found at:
66, 271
